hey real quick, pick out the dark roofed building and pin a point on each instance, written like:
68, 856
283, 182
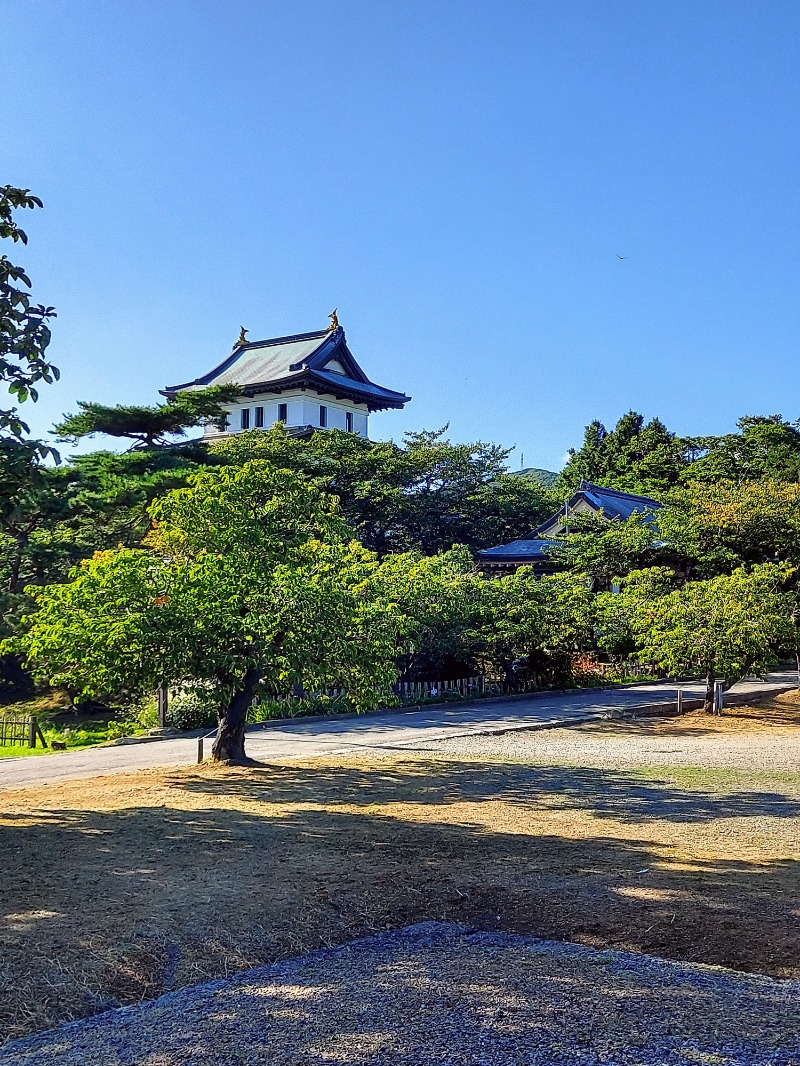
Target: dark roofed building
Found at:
307, 381
535, 550
531, 551
594, 499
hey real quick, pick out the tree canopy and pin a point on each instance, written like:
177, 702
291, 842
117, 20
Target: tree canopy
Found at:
635, 456
24, 329
423, 496
728, 625
148, 427
248, 575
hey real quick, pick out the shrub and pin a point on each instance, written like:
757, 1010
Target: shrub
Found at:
193, 707
269, 708
585, 669
117, 728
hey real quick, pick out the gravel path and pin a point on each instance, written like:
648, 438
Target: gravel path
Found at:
436, 994
633, 745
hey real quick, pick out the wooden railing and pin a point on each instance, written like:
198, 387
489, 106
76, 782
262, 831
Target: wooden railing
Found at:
479, 685
424, 690
22, 730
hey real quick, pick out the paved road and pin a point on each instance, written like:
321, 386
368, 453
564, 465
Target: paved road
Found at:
387, 730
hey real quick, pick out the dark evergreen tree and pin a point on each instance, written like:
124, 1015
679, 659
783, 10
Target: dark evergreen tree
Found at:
149, 427
635, 456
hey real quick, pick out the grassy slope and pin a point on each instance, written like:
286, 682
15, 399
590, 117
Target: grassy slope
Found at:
58, 720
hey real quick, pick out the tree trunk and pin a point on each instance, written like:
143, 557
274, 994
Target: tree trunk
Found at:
711, 676
229, 741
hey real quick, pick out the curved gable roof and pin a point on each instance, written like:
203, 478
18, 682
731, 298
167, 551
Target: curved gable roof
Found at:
614, 504
283, 362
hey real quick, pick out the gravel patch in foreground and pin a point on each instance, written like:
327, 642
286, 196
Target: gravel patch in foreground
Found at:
627, 746
437, 994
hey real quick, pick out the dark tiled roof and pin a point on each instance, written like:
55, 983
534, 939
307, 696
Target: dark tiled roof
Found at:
615, 504
300, 360
519, 550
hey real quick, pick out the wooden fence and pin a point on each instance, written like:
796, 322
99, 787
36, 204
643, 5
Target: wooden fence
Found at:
424, 690
20, 730
480, 685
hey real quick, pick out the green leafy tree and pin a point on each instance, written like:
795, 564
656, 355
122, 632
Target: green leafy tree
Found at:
605, 551
454, 616
634, 456
765, 446
425, 496
539, 621
107, 494
248, 576
149, 427
703, 530
441, 600
731, 625
24, 329
51, 517
24, 338
713, 528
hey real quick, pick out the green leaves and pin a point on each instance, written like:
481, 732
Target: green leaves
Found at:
713, 528
733, 623
646, 457
149, 427
634, 457
24, 333
423, 497
247, 567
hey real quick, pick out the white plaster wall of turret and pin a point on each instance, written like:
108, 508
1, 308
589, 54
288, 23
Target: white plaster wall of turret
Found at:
302, 409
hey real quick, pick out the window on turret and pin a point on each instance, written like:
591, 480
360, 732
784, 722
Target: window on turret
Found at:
259, 418
348, 421
283, 412
245, 418
323, 415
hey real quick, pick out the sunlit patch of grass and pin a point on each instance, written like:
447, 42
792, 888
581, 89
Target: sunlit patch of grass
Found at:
60, 721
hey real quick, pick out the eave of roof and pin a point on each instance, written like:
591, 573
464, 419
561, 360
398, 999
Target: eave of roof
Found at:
375, 396
523, 550
301, 366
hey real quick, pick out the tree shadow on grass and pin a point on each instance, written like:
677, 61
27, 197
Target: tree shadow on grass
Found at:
105, 907
625, 796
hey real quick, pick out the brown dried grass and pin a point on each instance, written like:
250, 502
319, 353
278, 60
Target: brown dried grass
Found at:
114, 889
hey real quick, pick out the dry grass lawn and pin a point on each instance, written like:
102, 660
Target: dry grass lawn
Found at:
115, 889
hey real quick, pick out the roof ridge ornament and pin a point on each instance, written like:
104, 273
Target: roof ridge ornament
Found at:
242, 338
333, 316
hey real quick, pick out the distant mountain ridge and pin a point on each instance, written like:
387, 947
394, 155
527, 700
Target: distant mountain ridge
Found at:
547, 478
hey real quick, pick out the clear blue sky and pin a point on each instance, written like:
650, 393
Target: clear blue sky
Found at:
458, 178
